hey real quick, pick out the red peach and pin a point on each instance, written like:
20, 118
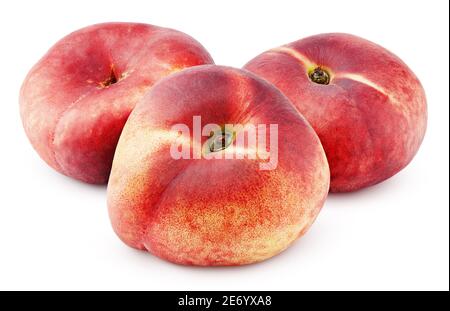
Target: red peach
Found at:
225, 210
76, 99
367, 107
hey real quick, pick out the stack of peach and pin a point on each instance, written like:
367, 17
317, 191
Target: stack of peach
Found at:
211, 165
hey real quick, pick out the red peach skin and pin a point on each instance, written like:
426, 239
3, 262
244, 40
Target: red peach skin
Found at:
76, 99
222, 211
371, 117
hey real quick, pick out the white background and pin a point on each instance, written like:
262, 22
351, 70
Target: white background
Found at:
55, 232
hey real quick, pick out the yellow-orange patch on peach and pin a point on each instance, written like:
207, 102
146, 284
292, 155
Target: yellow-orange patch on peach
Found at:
393, 99
297, 55
361, 79
236, 233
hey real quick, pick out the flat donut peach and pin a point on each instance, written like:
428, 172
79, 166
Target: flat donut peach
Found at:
214, 202
366, 105
76, 99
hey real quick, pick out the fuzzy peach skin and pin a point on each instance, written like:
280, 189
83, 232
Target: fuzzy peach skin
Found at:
370, 117
213, 212
76, 99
